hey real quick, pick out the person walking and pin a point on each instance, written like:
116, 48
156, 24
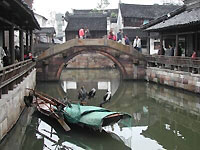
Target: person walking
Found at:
137, 43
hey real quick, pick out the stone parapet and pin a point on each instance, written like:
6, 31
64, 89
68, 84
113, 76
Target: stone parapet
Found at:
12, 104
178, 79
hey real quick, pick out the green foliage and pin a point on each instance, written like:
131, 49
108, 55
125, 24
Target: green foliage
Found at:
113, 15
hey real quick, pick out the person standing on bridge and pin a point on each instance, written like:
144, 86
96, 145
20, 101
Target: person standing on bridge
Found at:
127, 41
87, 33
137, 43
81, 33
119, 36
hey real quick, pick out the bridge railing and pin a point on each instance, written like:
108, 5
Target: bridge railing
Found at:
179, 63
101, 43
12, 75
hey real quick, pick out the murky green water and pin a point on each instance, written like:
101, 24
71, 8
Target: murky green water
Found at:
163, 118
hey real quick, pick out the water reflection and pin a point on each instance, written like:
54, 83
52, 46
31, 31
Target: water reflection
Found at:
49, 135
100, 79
162, 118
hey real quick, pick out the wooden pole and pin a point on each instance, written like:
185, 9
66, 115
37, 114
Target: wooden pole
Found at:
21, 44
11, 45
148, 42
196, 42
176, 44
3, 34
27, 45
31, 42
161, 43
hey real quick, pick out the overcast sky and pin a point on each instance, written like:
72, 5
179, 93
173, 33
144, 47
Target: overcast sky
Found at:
44, 7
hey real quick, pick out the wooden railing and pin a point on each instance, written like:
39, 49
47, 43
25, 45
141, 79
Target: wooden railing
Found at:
12, 75
179, 63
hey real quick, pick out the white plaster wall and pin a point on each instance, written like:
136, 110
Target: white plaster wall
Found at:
42, 22
12, 104
152, 50
119, 21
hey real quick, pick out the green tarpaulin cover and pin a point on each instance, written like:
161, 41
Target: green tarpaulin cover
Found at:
89, 115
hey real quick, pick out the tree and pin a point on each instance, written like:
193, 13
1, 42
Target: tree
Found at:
103, 4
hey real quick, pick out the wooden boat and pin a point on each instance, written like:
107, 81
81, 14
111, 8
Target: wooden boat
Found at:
90, 116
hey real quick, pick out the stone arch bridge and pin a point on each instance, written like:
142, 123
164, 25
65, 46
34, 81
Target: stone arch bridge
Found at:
51, 62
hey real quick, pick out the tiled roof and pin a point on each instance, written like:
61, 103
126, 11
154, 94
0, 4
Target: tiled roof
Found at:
185, 18
145, 11
92, 22
30, 11
133, 32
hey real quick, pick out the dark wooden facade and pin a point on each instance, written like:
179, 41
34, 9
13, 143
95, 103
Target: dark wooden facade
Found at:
21, 19
95, 22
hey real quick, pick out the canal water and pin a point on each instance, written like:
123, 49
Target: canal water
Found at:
163, 118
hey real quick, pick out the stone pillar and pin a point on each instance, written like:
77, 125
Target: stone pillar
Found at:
21, 44
176, 45
11, 45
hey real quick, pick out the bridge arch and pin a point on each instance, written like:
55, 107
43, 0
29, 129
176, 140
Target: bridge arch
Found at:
130, 62
102, 52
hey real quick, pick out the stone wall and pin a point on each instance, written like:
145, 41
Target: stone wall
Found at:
90, 61
12, 104
15, 139
177, 79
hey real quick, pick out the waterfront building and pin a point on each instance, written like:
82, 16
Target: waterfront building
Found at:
15, 15
21, 20
45, 35
179, 28
41, 20
132, 16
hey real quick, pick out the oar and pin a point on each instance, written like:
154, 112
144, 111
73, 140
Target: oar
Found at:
53, 102
60, 120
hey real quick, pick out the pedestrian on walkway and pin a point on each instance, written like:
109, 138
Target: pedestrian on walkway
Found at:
2, 55
171, 50
137, 43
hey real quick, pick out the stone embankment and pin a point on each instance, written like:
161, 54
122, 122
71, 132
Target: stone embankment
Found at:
178, 79
12, 104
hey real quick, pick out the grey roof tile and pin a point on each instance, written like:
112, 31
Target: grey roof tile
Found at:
146, 11
184, 18
97, 23
48, 30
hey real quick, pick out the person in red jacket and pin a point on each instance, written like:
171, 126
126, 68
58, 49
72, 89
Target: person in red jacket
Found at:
81, 33
194, 55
